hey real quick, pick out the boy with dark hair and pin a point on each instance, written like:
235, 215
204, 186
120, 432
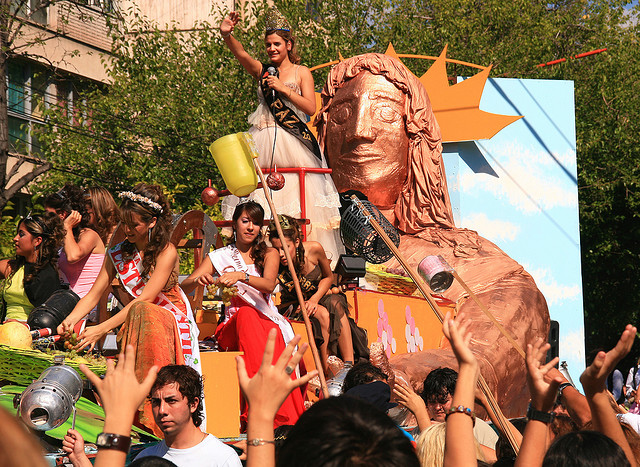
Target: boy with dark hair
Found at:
176, 401
362, 373
439, 387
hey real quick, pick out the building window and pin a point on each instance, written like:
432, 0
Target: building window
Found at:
27, 96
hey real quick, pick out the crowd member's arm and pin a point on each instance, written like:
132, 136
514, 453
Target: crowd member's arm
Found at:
543, 394
489, 453
73, 445
121, 395
87, 242
575, 403
459, 448
165, 264
594, 383
406, 396
265, 393
228, 24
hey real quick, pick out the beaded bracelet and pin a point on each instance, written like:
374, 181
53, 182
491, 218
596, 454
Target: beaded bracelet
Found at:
464, 410
260, 442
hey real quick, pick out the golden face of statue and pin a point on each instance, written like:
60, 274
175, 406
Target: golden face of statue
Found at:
366, 142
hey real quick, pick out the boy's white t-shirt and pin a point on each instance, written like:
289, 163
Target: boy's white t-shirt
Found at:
210, 452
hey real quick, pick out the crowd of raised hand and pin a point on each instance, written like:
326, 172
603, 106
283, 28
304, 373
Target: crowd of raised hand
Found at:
347, 431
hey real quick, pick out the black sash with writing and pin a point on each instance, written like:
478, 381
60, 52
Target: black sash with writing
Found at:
287, 118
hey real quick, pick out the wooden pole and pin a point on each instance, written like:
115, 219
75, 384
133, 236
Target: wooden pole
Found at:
296, 285
482, 384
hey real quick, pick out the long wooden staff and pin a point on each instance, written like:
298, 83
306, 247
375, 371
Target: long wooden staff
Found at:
422, 287
296, 284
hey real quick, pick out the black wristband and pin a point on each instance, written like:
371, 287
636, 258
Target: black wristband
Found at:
563, 386
539, 415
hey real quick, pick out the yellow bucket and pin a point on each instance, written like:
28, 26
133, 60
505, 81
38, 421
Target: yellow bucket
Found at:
233, 155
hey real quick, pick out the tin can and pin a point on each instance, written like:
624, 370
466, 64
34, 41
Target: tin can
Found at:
436, 272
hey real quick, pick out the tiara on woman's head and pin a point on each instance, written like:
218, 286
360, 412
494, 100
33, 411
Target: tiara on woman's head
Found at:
275, 21
284, 223
141, 199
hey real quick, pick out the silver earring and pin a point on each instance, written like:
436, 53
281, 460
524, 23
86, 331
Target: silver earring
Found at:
150, 233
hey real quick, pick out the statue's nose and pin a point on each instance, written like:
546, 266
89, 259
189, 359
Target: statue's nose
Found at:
362, 127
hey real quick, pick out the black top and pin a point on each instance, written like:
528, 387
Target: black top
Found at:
42, 285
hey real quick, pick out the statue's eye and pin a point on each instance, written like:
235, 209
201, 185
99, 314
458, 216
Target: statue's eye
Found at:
387, 114
341, 113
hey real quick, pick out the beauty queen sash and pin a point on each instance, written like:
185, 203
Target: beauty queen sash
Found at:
229, 259
130, 276
287, 118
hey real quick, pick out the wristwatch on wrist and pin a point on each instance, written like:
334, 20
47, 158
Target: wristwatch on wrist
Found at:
539, 415
113, 441
246, 277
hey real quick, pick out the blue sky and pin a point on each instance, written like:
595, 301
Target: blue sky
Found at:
519, 190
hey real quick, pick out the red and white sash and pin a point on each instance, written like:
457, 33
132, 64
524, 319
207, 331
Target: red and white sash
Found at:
229, 259
130, 276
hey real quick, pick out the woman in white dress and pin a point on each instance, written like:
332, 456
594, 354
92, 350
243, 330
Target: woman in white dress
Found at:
286, 89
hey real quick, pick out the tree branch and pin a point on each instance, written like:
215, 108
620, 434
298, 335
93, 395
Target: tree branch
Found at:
24, 180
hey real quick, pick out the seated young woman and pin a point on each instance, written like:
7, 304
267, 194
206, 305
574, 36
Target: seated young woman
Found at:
158, 320
250, 266
103, 212
328, 313
83, 251
32, 275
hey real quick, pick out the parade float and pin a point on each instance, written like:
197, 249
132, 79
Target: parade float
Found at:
391, 297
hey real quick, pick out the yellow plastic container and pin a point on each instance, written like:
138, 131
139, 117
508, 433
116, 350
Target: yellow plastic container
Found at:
233, 155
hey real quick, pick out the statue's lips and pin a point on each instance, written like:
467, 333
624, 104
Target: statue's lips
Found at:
358, 154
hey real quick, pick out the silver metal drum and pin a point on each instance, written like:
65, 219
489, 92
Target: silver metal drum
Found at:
47, 402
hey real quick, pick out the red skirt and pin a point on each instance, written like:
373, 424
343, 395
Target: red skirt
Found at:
247, 331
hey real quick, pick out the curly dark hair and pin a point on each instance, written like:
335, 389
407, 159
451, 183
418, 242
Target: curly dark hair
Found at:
160, 233
104, 209
189, 384
255, 212
69, 198
291, 230
47, 226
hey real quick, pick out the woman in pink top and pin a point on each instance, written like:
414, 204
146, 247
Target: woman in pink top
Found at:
82, 254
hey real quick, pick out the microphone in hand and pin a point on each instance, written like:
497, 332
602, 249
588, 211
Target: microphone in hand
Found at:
272, 71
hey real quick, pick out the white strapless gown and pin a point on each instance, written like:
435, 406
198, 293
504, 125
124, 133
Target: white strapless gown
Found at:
322, 199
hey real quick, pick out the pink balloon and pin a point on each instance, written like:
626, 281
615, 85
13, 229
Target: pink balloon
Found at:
388, 352
380, 327
407, 313
385, 319
412, 323
380, 308
389, 334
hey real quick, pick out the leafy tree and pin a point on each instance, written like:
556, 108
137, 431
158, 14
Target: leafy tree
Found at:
20, 29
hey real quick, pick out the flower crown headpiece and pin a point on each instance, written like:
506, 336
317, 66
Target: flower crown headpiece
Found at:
275, 21
141, 199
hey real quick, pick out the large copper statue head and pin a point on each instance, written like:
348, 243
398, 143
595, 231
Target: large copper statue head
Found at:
380, 136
